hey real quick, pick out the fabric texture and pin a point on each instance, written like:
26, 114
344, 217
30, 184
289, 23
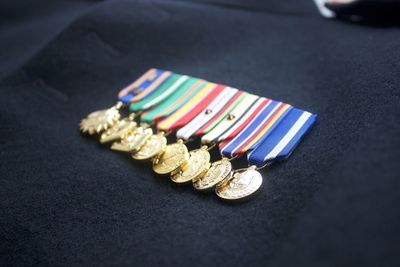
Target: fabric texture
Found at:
66, 200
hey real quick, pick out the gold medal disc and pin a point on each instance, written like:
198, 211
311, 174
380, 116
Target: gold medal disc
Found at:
118, 130
197, 166
100, 120
240, 185
174, 156
133, 141
153, 146
218, 171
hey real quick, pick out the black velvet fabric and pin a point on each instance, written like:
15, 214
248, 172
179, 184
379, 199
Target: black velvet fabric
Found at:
68, 201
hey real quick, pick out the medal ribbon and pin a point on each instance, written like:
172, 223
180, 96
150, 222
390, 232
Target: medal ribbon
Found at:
145, 81
160, 93
175, 101
229, 119
284, 138
234, 102
220, 102
258, 129
189, 110
244, 120
152, 87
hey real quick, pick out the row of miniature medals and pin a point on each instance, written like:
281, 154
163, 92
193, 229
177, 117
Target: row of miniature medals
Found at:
139, 140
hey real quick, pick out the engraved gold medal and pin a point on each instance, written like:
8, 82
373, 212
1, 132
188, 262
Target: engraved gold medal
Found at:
153, 146
218, 171
175, 155
134, 140
242, 184
118, 130
197, 166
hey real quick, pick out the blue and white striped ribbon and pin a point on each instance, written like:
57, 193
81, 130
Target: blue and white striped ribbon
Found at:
284, 138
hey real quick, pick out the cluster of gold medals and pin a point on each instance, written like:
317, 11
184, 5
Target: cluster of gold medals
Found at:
139, 140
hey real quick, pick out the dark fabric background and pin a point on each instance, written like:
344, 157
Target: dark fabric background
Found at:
65, 200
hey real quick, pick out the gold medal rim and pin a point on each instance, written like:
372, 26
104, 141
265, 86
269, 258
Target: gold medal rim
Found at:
196, 184
219, 189
181, 163
176, 177
112, 138
137, 155
115, 145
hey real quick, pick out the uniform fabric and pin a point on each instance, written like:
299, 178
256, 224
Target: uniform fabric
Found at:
66, 200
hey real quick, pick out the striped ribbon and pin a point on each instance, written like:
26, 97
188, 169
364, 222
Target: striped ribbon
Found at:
162, 92
185, 92
222, 113
284, 138
244, 120
129, 92
230, 119
152, 86
257, 130
210, 113
188, 111
267, 130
